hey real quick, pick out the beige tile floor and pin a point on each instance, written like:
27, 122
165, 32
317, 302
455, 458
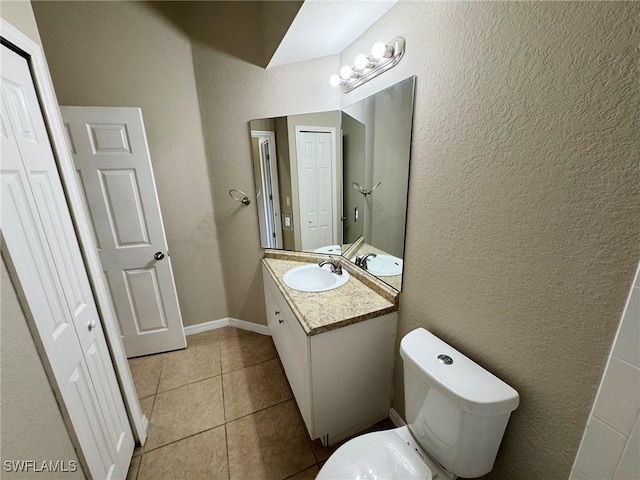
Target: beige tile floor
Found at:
222, 408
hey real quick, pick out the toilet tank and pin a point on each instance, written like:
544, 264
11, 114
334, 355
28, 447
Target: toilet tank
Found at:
455, 409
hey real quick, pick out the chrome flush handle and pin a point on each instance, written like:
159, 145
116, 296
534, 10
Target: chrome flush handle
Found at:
445, 359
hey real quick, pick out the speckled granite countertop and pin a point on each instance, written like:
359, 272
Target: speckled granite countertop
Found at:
361, 298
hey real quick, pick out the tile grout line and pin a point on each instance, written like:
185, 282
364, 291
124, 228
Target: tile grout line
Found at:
615, 429
220, 425
189, 383
262, 410
175, 388
224, 409
226, 421
250, 365
159, 377
149, 419
212, 376
224, 413
135, 477
184, 438
226, 444
300, 471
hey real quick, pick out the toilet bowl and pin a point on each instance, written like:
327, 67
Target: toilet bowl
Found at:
456, 412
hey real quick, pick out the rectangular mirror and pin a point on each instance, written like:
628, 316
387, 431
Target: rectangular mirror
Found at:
337, 182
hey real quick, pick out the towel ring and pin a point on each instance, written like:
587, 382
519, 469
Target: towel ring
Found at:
364, 191
244, 198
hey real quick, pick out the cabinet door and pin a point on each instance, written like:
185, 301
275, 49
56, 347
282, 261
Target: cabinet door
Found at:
294, 355
45, 254
352, 376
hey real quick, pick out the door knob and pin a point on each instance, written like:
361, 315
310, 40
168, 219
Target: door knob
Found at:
91, 325
158, 255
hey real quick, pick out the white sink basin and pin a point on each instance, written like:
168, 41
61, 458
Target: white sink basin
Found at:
383, 265
312, 278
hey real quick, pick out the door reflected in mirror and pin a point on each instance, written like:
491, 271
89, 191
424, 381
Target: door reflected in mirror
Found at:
337, 182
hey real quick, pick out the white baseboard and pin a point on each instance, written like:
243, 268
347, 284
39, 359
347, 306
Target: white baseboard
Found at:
250, 326
206, 326
145, 424
395, 418
226, 322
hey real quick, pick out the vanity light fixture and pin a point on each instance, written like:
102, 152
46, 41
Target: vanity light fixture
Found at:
335, 80
383, 57
362, 62
346, 72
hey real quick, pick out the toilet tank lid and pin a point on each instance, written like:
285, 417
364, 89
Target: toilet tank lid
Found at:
477, 390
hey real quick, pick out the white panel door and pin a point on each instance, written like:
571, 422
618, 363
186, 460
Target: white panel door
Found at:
45, 255
324, 168
111, 155
315, 187
268, 195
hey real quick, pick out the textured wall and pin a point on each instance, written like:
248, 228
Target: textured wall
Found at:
232, 92
129, 54
523, 226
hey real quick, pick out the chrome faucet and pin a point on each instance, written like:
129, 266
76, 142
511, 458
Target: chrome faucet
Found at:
336, 267
362, 261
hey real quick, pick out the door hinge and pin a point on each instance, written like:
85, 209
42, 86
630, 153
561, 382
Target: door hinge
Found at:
273, 234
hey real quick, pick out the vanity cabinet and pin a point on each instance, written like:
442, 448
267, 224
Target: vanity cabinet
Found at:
342, 378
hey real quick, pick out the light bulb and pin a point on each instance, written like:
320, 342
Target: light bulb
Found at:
335, 80
380, 50
361, 62
346, 72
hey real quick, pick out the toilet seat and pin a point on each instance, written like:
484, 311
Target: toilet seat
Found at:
378, 455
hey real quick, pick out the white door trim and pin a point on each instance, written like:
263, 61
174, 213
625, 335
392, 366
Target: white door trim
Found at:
271, 136
335, 193
53, 119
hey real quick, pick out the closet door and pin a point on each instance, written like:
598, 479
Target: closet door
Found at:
315, 189
39, 235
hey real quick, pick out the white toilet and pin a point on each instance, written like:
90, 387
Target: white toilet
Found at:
456, 415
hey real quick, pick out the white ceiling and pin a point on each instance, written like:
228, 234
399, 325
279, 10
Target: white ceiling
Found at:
324, 27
